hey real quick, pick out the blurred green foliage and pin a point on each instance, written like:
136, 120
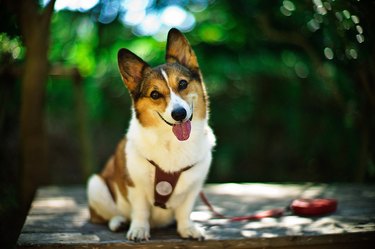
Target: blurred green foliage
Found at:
290, 85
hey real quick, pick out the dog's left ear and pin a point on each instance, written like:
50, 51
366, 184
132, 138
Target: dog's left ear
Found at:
132, 69
179, 50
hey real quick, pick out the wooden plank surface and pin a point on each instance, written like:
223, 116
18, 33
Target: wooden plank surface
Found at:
58, 218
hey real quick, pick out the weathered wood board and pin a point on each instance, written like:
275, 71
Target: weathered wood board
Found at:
58, 218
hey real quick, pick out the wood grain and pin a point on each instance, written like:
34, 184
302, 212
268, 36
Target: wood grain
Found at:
58, 218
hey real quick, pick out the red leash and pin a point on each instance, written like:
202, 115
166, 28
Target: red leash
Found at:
210, 207
303, 207
277, 212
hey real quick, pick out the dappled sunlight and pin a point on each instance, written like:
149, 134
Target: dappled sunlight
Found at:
233, 200
256, 190
264, 223
287, 225
58, 202
67, 209
294, 221
246, 199
59, 210
200, 216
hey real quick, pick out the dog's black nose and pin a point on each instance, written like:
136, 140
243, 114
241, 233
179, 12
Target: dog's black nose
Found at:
179, 114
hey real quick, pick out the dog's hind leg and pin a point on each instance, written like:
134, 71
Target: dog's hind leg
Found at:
102, 206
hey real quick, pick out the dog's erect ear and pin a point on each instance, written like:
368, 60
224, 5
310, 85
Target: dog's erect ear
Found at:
131, 68
179, 50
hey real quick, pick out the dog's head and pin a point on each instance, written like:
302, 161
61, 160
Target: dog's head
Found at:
171, 94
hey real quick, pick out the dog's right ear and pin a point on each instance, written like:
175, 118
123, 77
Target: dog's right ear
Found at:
179, 50
132, 69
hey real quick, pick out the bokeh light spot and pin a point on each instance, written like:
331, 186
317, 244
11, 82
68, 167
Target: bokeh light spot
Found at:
346, 14
359, 29
289, 5
328, 53
355, 19
73, 5
173, 16
301, 70
360, 38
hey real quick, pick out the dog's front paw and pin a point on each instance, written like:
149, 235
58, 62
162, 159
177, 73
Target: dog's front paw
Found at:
138, 234
192, 232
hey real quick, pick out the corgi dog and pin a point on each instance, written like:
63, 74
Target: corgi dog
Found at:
159, 168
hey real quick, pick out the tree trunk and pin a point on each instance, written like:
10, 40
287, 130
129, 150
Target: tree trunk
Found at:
35, 31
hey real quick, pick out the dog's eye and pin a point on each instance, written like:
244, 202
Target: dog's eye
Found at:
182, 84
155, 95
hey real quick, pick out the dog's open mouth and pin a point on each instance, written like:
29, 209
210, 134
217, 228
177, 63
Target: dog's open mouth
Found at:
180, 130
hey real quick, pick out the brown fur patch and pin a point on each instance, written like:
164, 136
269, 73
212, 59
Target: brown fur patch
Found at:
115, 172
95, 217
146, 108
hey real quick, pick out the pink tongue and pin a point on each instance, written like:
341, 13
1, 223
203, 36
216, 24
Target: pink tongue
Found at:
182, 131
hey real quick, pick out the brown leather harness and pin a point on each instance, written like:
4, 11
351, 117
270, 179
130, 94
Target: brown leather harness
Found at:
165, 184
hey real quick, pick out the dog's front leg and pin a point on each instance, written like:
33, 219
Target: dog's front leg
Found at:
139, 227
185, 226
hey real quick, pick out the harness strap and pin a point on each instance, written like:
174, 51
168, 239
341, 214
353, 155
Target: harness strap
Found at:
165, 184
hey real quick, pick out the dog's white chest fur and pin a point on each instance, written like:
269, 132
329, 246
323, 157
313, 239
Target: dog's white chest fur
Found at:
161, 146
171, 155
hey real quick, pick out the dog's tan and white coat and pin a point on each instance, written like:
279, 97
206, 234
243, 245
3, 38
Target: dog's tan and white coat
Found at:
169, 126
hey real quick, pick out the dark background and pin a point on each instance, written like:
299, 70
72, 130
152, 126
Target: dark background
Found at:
291, 87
